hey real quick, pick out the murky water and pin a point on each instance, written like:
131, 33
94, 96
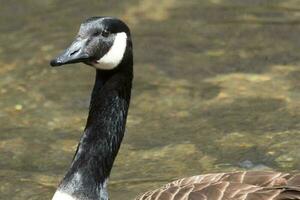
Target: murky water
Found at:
217, 88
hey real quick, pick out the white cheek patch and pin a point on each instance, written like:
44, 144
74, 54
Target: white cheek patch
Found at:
115, 54
62, 196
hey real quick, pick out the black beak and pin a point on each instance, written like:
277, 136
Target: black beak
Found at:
74, 54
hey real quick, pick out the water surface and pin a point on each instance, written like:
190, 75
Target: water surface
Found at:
217, 88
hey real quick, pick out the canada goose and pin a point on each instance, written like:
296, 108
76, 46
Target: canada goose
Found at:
105, 44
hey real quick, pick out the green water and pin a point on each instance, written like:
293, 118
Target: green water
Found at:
217, 88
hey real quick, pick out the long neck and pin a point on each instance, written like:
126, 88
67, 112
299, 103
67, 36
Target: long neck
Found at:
99, 145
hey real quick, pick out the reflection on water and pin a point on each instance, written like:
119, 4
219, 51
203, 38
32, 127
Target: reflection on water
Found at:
216, 89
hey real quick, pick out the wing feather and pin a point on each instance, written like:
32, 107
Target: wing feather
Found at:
252, 185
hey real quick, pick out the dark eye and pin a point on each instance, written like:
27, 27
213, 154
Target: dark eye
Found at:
105, 33
96, 33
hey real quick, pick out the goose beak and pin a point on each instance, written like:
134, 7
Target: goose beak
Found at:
73, 54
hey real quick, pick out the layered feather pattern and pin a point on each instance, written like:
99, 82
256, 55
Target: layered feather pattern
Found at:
251, 185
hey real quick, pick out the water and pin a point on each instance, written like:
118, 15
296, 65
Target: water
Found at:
217, 88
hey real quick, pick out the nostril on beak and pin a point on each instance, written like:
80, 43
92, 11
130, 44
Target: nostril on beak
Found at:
74, 52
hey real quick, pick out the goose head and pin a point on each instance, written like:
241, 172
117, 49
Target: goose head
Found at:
101, 42
105, 44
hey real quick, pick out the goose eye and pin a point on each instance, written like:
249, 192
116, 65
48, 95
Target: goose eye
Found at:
105, 33
97, 33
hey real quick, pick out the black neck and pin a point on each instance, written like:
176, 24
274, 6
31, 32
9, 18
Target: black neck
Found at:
99, 145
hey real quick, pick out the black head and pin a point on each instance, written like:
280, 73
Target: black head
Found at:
101, 42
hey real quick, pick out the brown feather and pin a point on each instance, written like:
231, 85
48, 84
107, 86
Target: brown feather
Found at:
252, 185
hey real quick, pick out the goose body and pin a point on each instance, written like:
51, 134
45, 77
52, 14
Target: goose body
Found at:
105, 44
252, 185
